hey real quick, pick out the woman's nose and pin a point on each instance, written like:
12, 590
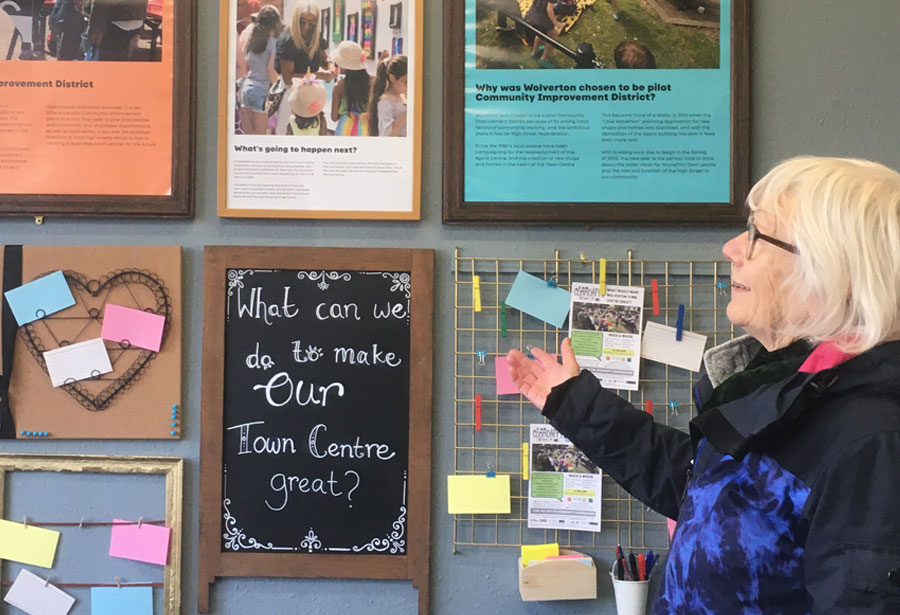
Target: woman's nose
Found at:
735, 249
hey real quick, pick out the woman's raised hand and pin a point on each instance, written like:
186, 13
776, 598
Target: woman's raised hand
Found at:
536, 377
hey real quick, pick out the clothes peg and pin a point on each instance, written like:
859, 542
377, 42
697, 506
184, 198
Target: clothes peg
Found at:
673, 406
602, 279
648, 406
478, 412
654, 292
679, 323
476, 292
552, 283
491, 473
723, 287
481, 354
502, 319
525, 460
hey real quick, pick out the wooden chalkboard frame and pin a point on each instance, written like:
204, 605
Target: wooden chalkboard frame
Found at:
414, 565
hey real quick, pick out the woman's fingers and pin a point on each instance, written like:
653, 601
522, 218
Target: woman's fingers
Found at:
570, 363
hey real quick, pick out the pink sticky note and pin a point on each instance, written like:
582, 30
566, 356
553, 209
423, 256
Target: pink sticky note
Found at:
147, 543
505, 385
671, 523
136, 327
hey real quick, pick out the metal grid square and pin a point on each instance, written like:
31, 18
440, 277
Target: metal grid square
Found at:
497, 446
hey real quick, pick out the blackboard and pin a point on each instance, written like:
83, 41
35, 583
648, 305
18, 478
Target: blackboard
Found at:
317, 371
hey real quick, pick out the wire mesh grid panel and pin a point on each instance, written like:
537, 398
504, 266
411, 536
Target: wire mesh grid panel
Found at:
492, 441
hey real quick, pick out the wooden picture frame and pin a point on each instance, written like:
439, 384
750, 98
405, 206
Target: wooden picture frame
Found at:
172, 468
396, 15
325, 15
120, 156
232, 548
337, 34
353, 27
569, 190
312, 165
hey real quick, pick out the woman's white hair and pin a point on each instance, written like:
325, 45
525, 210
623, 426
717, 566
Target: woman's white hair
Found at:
843, 214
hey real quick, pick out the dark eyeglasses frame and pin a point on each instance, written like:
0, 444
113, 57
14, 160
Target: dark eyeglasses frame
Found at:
753, 235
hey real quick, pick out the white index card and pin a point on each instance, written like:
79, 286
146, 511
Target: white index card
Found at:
659, 344
77, 362
35, 596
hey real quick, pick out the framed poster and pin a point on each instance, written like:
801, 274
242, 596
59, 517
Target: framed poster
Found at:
353, 27
339, 144
349, 332
337, 34
537, 143
396, 15
367, 14
94, 120
326, 20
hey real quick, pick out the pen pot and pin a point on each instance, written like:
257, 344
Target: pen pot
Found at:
631, 596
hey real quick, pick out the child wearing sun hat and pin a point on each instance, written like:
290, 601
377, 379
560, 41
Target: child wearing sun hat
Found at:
350, 96
307, 101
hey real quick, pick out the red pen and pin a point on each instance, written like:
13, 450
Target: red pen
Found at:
642, 567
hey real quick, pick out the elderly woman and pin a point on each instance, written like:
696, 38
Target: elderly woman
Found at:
785, 488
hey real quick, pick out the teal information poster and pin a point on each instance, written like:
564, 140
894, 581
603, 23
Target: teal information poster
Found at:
649, 122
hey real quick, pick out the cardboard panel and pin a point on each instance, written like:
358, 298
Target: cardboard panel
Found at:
135, 400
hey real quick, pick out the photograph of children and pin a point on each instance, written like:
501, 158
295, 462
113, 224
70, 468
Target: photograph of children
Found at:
560, 458
627, 34
605, 317
88, 30
287, 45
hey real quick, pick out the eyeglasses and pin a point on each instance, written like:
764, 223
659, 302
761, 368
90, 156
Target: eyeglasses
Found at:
753, 235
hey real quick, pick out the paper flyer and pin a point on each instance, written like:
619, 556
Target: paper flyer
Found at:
565, 486
606, 332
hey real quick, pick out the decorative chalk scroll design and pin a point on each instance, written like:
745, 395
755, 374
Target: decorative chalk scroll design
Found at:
322, 276
395, 541
91, 295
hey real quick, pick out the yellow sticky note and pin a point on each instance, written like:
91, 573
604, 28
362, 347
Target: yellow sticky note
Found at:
533, 552
27, 544
478, 495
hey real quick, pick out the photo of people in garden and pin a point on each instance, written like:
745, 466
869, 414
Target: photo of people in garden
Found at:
321, 68
629, 34
82, 30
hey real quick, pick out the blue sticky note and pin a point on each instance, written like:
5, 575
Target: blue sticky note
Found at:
40, 298
533, 296
121, 601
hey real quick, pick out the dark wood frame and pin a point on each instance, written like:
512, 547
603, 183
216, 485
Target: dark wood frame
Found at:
414, 565
325, 16
354, 17
180, 203
457, 210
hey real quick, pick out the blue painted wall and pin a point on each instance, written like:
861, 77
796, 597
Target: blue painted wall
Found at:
825, 81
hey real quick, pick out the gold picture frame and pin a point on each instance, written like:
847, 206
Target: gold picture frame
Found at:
170, 467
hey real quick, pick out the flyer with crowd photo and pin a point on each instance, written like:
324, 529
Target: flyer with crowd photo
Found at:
565, 486
606, 332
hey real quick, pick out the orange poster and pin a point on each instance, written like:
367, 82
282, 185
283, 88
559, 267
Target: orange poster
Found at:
86, 97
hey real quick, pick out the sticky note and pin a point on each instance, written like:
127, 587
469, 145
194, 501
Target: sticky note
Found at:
147, 543
121, 601
77, 362
27, 544
40, 298
134, 327
659, 344
531, 295
533, 552
478, 495
35, 596
505, 385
